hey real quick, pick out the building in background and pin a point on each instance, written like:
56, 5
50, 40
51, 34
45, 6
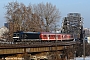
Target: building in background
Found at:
87, 35
6, 25
87, 32
73, 24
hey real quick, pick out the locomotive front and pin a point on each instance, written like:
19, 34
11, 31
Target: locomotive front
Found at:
17, 36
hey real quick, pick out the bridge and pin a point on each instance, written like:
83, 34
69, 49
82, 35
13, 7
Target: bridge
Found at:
30, 48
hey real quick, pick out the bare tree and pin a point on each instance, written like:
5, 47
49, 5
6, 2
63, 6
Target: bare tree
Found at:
48, 14
11, 16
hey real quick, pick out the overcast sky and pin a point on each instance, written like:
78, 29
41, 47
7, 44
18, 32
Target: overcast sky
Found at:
65, 7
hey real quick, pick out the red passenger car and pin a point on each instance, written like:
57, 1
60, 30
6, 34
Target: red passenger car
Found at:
45, 36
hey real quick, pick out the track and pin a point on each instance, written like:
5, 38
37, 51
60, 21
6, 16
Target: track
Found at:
37, 44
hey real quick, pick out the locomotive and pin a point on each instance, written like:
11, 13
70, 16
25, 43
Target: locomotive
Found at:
40, 36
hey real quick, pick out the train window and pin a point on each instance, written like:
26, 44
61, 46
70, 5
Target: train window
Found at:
62, 36
59, 36
15, 34
69, 36
52, 36
44, 35
65, 36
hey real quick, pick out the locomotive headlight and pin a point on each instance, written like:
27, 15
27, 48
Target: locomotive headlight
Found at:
16, 37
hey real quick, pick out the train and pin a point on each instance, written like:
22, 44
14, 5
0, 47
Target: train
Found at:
40, 36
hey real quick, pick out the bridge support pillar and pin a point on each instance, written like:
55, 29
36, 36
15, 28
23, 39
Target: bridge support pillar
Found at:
26, 55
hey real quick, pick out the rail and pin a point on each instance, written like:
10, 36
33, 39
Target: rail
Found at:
31, 45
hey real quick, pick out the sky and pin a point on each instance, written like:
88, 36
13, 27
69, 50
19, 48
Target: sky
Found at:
65, 7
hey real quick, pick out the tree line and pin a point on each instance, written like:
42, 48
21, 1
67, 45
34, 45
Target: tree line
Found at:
36, 17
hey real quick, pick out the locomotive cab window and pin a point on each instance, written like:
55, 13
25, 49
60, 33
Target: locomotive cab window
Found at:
15, 34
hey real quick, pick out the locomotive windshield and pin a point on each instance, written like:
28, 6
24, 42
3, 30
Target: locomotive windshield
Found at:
16, 35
